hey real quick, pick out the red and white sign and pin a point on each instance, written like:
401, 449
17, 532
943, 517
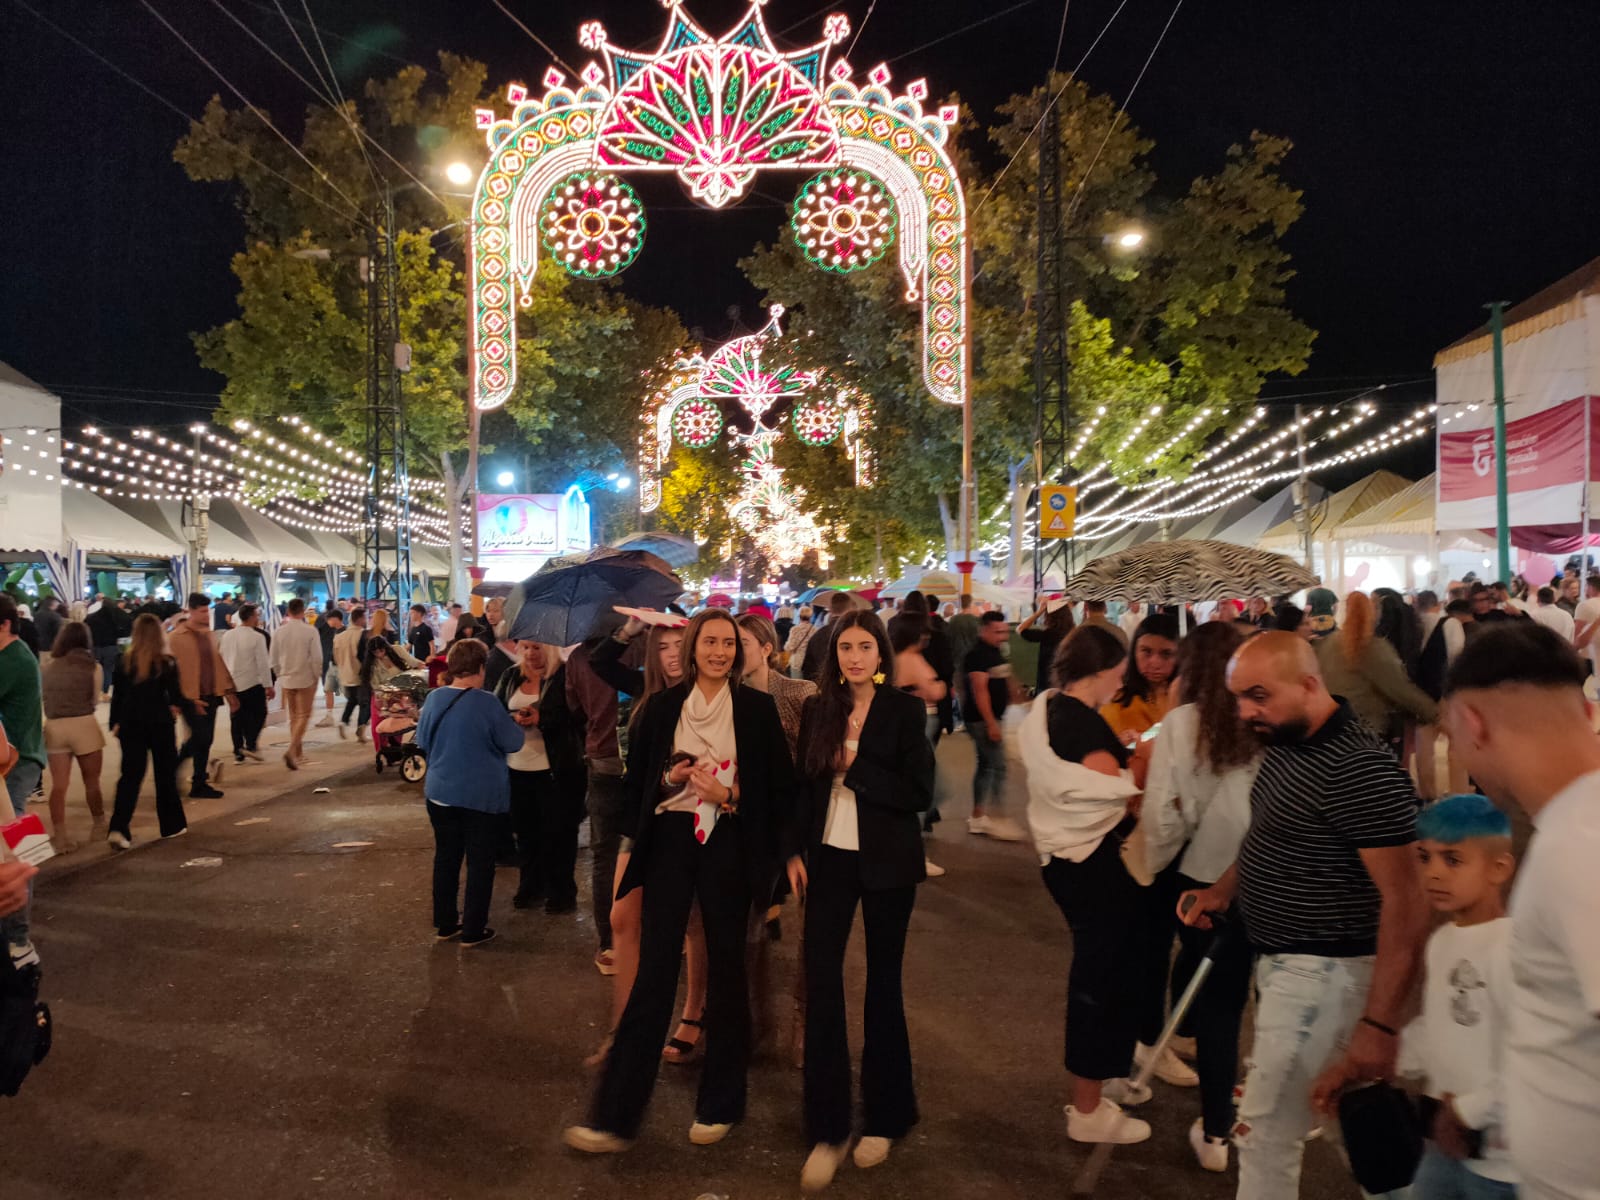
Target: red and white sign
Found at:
26, 839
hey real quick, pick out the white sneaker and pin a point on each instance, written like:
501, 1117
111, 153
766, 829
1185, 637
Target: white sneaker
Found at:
1184, 1048
325, 723
1126, 1092
119, 841
1210, 1152
933, 869
702, 1134
871, 1151
1169, 1067
822, 1164
1106, 1124
978, 825
1004, 829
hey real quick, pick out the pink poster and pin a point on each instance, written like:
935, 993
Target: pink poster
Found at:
1543, 450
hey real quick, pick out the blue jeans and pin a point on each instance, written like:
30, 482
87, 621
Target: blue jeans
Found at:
1306, 1008
1441, 1177
20, 783
989, 782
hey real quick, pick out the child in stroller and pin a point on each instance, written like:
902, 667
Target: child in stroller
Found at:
399, 702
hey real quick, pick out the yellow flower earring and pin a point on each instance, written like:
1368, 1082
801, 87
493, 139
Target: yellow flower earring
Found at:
879, 678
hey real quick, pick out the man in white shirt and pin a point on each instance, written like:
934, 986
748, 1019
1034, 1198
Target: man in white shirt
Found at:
1552, 616
297, 659
1586, 622
1128, 622
1516, 710
447, 627
244, 652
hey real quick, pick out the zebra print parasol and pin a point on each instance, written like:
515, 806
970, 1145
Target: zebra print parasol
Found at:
1175, 572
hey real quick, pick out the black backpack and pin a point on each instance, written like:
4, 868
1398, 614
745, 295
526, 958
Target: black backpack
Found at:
1433, 662
25, 1027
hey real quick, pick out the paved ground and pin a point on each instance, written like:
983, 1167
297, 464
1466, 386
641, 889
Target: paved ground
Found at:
280, 1023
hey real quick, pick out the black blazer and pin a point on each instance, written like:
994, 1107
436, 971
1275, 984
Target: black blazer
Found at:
766, 781
562, 729
892, 778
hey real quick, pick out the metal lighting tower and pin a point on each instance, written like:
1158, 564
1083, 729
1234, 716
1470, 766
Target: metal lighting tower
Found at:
386, 546
1052, 408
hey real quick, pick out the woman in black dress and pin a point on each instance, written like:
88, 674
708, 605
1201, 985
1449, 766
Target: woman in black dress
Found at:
709, 780
866, 768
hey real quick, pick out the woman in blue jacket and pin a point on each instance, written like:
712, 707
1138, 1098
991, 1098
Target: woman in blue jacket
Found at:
466, 734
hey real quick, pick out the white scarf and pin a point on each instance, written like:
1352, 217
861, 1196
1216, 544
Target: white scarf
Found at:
1071, 807
705, 730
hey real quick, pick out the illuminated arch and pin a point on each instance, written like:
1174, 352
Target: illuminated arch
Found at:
717, 111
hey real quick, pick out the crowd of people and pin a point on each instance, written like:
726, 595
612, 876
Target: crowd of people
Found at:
1259, 789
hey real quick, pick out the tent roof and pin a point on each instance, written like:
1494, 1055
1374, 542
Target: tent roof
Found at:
15, 378
272, 539
1246, 530
1409, 511
1555, 305
222, 544
1339, 508
100, 527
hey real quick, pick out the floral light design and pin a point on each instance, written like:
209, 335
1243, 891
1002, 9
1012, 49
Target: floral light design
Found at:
844, 220
696, 423
593, 224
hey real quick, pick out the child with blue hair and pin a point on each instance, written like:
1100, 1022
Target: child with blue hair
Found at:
1464, 854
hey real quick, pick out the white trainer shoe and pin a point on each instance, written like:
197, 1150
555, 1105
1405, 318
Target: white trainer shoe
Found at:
1106, 1124
1126, 1092
978, 826
702, 1134
1004, 829
1210, 1152
1169, 1067
933, 869
593, 1141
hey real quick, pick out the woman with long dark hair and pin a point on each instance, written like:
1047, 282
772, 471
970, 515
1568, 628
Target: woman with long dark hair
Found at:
866, 769
1141, 702
710, 780
146, 699
71, 691
1197, 801
1080, 802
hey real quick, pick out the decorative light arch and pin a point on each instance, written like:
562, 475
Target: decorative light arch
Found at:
718, 111
690, 408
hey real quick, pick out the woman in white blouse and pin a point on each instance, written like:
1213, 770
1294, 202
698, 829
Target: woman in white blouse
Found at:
1198, 793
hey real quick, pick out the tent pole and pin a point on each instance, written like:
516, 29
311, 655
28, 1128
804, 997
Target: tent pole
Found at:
1501, 498
1588, 474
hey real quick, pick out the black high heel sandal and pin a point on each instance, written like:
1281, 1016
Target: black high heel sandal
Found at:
683, 1053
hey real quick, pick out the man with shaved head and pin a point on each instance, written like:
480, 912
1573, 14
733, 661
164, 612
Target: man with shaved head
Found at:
1326, 885
1515, 711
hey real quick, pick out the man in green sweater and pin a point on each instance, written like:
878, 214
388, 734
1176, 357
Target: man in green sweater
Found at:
22, 714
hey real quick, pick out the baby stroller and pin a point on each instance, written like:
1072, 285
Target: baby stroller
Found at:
399, 702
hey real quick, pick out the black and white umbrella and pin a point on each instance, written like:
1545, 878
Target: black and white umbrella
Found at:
1177, 572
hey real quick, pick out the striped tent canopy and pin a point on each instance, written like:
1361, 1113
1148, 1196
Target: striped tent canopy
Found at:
1175, 572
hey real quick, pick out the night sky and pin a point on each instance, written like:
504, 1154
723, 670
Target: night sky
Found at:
1446, 150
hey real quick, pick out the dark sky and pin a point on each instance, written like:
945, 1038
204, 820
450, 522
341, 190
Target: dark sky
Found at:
1446, 151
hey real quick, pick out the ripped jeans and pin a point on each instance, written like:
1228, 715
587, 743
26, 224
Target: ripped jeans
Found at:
1306, 1008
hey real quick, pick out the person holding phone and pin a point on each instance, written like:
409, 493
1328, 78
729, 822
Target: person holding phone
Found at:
709, 778
866, 776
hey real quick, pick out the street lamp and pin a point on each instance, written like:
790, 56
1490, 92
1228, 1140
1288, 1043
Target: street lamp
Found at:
505, 479
624, 483
1130, 239
459, 174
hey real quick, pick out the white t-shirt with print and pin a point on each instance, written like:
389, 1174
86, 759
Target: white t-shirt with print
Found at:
1459, 1039
1553, 1054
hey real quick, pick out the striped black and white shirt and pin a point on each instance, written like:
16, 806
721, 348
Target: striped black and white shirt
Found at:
1303, 888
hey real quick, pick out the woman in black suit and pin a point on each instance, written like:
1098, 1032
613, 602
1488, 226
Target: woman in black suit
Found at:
708, 791
866, 776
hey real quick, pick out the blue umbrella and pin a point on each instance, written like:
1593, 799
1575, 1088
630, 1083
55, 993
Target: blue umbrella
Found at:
562, 607
676, 551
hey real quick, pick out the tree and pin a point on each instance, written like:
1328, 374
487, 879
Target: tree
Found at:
1192, 326
299, 344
